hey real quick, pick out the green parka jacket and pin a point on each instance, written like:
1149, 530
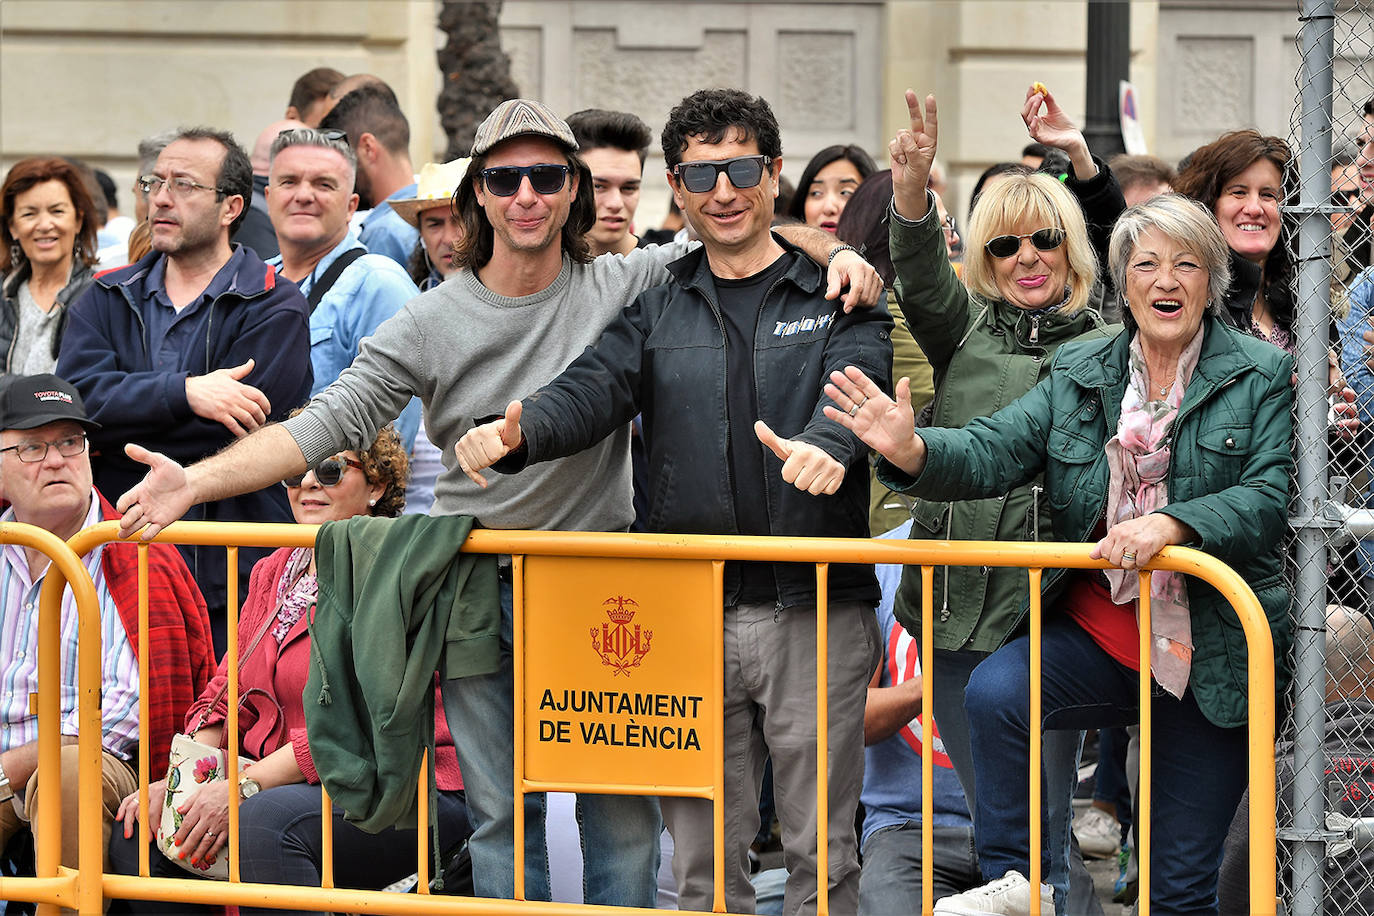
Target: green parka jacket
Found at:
1228, 479
985, 354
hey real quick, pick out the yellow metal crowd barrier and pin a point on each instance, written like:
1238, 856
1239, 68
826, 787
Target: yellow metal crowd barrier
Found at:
543, 581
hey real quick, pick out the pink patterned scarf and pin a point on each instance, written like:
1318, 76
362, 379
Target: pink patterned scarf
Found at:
1138, 458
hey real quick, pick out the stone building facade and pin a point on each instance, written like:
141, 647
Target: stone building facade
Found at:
90, 77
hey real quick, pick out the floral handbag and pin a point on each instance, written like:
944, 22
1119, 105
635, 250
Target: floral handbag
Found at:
191, 764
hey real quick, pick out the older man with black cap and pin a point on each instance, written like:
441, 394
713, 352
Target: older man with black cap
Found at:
45, 470
528, 300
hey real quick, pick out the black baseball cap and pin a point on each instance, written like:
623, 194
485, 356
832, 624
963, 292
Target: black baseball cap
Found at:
30, 401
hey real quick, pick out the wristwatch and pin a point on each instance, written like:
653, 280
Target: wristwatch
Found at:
6, 792
248, 787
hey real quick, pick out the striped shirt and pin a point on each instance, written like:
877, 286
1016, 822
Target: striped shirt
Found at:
19, 654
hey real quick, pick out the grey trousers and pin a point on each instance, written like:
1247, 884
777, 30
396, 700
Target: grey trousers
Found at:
770, 708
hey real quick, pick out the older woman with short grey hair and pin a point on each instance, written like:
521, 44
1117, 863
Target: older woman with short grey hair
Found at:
1175, 431
1186, 222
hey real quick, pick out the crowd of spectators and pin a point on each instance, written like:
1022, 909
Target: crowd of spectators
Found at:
318, 332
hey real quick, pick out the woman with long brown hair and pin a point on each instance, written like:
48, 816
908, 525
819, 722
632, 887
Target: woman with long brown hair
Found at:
1239, 178
47, 251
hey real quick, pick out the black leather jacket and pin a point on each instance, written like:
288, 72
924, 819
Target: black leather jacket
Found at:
665, 357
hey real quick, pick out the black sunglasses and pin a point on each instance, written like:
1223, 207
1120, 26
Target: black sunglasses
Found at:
504, 180
743, 172
328, 472
1004, 246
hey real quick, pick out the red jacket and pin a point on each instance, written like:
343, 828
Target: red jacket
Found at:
181, 655
273, 713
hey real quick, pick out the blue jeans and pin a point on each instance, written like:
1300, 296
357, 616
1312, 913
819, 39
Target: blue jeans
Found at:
620, 832
1199, 768
1065, 872
1112, 783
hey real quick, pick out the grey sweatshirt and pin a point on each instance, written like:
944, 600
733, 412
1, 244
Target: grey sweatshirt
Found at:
467, 352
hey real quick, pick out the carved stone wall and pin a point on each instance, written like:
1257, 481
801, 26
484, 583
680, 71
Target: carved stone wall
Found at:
818, 64
89, 78
1219, 71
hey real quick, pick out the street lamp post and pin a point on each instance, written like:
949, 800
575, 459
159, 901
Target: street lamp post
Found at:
1109, 62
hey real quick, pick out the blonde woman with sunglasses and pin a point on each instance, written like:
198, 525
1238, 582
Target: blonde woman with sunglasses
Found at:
1028, 279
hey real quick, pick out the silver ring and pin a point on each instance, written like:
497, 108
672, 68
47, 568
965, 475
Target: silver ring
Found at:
1128, 555
209, 834
863, 402
854, 411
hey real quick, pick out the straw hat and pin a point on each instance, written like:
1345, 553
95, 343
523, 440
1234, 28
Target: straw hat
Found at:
438, 181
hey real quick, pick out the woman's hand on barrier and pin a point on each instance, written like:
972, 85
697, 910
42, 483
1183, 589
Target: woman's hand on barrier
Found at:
160, 498
482, 446
1055, 128
128, 808
912, 153
885, 425
1133, 543
205, 823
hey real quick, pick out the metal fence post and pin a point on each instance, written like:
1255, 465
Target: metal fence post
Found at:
1312, 324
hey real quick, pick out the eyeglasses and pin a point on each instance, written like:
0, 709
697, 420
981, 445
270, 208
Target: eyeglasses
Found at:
328, 472
743, 171
504, 180
951, 227
180, 186
1004, 246
34, 452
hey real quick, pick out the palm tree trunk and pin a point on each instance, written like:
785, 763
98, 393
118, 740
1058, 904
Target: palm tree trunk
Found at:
476, 71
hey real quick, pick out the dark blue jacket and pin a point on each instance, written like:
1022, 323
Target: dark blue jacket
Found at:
665, 356
105, 354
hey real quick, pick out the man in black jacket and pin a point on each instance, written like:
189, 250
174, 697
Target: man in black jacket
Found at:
727, 362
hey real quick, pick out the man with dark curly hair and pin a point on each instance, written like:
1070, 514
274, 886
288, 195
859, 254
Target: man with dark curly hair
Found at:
728, 361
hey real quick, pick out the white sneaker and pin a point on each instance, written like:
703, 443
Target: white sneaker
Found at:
1009, 895
1098, 833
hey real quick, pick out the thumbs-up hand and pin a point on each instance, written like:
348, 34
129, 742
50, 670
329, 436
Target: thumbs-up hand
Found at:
805, 466
482, 446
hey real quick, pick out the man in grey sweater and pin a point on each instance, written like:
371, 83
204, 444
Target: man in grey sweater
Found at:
527, 303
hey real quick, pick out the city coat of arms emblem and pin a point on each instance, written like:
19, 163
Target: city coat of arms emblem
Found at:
621, 643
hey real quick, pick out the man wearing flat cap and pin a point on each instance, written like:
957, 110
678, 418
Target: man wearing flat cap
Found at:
45, 470
528, 300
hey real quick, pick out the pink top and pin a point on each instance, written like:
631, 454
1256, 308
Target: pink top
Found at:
272, 682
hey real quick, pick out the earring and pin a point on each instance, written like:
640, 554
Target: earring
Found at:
372, 502
16, 255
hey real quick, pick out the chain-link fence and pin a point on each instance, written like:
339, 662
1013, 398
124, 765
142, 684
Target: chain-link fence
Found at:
1326, 753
